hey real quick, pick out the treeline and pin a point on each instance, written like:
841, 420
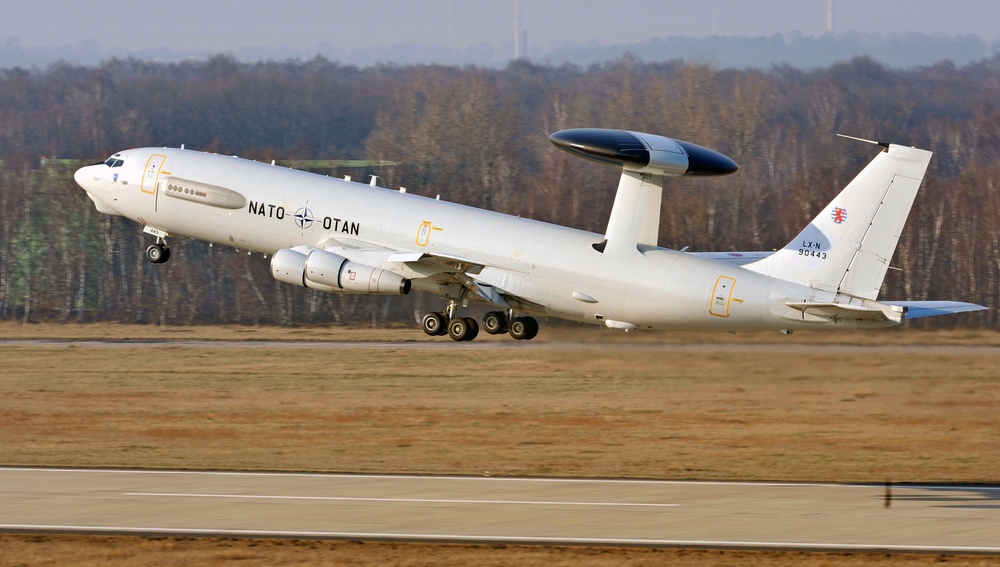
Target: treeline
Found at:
480, 136
802, 51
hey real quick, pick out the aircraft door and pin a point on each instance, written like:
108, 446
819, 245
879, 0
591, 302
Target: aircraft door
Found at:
722, 295
151, 175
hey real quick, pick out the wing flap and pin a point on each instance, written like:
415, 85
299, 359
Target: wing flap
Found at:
443, 268
457, 269
404, 257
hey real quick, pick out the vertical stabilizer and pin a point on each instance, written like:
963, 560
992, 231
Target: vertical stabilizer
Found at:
848, 246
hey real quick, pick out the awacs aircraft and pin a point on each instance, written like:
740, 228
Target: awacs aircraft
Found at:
339, 236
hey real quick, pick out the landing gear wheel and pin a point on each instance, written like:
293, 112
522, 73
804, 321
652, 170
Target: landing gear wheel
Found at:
523, 328
433, 324
473, 329
157, 253
495, 322
457, 328
463, 329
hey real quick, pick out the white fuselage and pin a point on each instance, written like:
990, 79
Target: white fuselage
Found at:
550, 269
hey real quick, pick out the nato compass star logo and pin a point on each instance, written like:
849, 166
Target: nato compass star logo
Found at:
304, 218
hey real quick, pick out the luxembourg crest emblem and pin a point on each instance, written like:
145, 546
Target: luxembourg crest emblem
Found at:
839, 215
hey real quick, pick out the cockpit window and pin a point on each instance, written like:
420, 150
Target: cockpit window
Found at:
114, 161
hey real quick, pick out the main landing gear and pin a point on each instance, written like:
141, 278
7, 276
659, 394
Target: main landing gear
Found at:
158, 253
466, 328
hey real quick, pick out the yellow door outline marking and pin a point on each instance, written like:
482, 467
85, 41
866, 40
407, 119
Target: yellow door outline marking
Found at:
150, 177
722, 295
424, 232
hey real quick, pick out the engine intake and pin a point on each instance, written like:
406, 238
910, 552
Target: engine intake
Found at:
333, 273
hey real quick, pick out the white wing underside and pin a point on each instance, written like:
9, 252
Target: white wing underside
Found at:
445, 269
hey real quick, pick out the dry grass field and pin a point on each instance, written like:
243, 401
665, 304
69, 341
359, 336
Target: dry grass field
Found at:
907, 405
54, 551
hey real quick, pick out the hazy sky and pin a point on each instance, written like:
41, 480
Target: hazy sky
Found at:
312, 25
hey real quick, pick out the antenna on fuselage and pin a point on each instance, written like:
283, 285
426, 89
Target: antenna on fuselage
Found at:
644, 159
883, 144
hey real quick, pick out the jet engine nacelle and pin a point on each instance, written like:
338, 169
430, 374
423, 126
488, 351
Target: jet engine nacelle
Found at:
333, 273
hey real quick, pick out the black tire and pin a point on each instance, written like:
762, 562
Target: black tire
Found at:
433, 324
166, 255
532, 328
518, 328
495, 322
156, 254
458, 329
473, 331
523, 328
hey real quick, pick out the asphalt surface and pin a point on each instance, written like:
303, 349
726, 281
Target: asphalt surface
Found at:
956, 519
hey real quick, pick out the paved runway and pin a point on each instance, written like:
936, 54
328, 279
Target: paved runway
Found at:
511, 510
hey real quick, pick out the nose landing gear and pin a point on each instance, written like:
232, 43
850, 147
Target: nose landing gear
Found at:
158, 253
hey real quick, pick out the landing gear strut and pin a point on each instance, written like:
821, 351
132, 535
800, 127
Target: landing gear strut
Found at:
466, 328
158, 253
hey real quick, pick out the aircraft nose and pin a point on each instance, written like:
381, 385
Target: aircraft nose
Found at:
80, 176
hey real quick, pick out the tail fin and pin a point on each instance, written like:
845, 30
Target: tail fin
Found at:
848, 246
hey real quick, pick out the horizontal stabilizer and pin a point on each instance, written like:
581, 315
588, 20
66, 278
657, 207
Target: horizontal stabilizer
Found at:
848, 312
917, 309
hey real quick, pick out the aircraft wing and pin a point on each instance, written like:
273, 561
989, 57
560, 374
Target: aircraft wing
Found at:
455, 269
445, 270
